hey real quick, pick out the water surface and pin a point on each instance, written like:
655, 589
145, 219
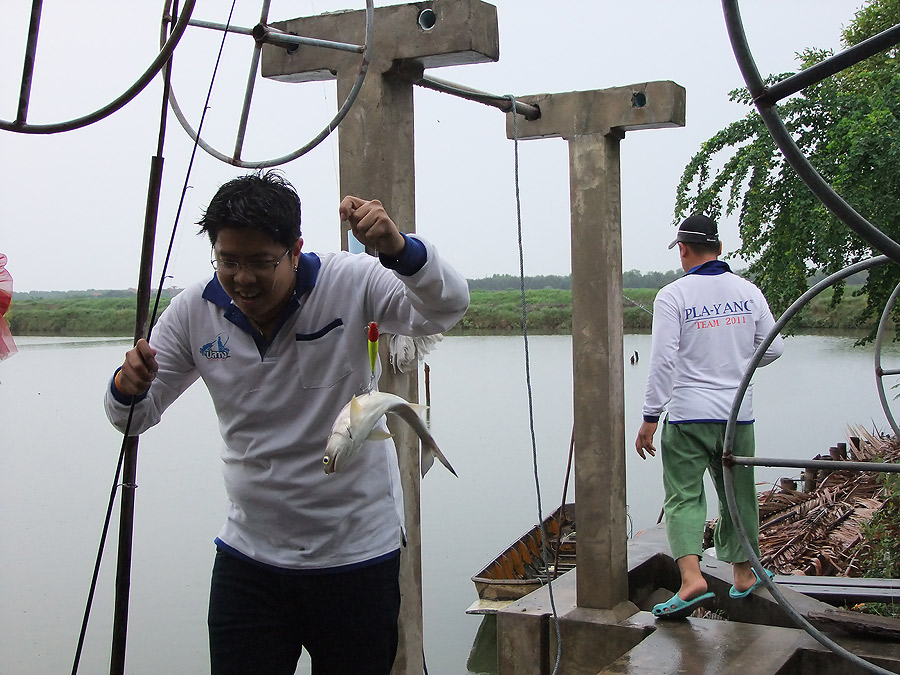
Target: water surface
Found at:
59, 453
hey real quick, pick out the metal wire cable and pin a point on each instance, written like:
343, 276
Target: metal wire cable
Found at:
534, 457
125, 434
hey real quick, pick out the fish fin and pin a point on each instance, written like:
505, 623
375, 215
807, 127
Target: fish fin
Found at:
426, 460
379, 435
355, 410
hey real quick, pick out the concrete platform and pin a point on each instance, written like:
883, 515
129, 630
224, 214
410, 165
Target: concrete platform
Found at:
757, 638
711, 647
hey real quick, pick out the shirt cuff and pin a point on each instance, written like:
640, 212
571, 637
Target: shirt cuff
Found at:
124, 399
653, 419
411, 259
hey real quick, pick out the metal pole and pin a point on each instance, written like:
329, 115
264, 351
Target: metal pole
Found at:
830, 66
141, 326
831, 464
28, 66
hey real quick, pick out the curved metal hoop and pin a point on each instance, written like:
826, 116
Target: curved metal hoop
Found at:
795, 157
167, 47
849, 216
235, 159
730, 431
879, 371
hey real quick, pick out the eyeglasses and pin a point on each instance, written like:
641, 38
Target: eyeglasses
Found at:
259, 268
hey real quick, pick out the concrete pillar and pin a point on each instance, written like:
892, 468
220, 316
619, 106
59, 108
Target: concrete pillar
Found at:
598, 369
377, 161
594, 123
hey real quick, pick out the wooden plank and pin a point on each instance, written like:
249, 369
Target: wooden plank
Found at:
859, 623
844, 589
799, 579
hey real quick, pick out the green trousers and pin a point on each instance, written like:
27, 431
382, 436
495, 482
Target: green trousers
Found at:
687, 451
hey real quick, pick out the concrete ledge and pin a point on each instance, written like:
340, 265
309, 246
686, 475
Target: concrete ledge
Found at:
703, 646
465, 31
757, 638
645, 105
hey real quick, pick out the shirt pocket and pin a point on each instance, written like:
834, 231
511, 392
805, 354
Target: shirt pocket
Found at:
321, 356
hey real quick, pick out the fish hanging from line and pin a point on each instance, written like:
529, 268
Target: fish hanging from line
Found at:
356, 423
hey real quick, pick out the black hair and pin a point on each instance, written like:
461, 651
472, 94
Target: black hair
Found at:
262, 201
704, 247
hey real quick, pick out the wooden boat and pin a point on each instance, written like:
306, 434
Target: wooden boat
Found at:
525, 565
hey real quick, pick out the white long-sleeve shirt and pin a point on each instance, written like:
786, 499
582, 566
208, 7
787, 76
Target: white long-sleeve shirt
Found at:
706, 327
276, 403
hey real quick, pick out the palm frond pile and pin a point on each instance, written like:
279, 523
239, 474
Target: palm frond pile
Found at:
820, 532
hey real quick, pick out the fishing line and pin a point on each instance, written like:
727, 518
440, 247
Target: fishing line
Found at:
637, 304
534, 457
125, 435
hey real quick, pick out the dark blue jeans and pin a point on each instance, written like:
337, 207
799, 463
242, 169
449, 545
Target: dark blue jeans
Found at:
260, 620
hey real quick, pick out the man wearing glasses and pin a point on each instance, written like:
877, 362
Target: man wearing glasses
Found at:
304, 560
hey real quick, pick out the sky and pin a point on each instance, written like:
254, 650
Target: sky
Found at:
72, 204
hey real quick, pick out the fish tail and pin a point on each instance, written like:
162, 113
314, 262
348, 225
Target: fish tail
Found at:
415, 415
435, 451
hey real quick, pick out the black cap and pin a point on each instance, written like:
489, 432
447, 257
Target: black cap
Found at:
698, 229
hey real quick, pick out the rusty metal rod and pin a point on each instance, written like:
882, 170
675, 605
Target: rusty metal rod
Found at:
528, 111
264, 33
832, 464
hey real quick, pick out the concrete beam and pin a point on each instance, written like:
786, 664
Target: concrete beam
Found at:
648, 105
465, 31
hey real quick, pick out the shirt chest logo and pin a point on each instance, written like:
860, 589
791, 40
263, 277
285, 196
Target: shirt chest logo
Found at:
216, 349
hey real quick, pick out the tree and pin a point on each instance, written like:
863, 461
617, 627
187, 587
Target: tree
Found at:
849, 128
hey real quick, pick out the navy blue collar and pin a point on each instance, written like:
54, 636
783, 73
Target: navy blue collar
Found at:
308, 265
710, 268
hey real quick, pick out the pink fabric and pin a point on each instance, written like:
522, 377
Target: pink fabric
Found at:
7, 344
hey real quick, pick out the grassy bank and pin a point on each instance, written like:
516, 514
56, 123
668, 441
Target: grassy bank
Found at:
75, 317
549, 311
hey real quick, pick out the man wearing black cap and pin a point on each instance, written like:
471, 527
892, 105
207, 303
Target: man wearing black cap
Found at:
706, 327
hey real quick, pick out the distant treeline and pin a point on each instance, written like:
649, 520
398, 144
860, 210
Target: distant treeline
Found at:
497, 282
630, 279
508, 282
498, 312
550, 311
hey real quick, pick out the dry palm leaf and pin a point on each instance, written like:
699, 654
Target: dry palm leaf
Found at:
819, 532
